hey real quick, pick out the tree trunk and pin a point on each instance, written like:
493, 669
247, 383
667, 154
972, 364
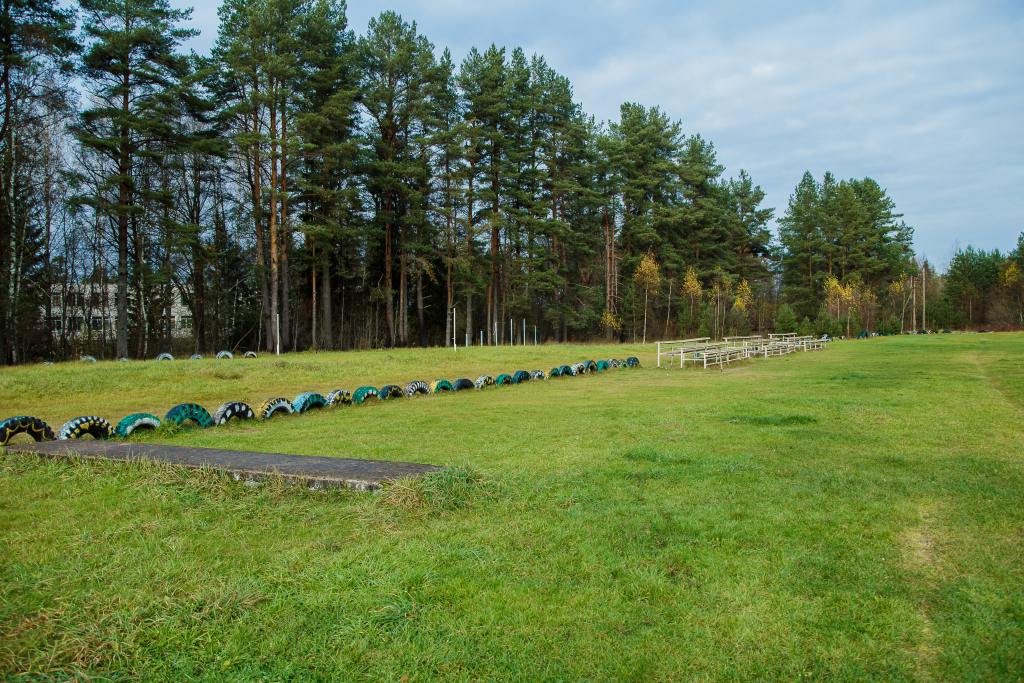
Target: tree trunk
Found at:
327, 334
420, 313
274, 249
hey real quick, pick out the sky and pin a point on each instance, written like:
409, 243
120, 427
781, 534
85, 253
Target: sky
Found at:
927, 98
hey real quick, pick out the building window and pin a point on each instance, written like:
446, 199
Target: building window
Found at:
55, 323
186, 322
77, 299
94, 300
97, 322
55, 300
76, 323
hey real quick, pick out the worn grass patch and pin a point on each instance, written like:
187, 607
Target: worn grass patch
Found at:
852, 515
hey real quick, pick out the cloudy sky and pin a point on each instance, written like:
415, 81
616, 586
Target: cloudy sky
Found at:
927, 98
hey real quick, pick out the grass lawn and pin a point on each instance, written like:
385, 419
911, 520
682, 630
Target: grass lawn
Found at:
853, 514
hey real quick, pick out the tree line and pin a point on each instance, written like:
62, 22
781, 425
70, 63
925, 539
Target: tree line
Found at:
308, 187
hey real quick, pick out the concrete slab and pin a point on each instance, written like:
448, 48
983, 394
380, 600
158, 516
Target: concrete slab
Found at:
311, 470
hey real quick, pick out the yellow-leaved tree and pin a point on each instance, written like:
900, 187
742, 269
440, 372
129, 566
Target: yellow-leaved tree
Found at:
693, 292
649, 277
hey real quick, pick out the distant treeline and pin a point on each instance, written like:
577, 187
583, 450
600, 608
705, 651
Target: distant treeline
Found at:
336, 190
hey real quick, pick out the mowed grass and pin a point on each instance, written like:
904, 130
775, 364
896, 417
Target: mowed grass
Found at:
853, 514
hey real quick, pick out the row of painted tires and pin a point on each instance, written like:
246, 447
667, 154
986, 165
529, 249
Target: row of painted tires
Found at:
166, 356
99, 428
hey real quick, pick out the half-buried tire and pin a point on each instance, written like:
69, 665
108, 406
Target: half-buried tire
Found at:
484, 381
338, 396
221, 355
565, 371
602, 365
590, 366
273, 406
413, 388
633, 362
460, 384
362, 393
233, 410
250, 354
87, 359
195, 356
390, 391
502, 380
576, 369
33, 426
165, 356
537, 374
184, 412
440, 385
136, 422
308, 401
520, 376
90, 425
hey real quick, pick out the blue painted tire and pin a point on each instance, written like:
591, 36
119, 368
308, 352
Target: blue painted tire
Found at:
390, 391
195, 356
165, 356
33, 426
225, 354
250, 354
86, 359
520, 376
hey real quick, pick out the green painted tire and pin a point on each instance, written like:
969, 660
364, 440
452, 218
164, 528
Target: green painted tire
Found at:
565, 371
360, 394
440, 385
135, 422
309, 400
602, 365
502, 380
183, 412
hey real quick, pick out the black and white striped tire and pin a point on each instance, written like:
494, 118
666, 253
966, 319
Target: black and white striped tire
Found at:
232, 410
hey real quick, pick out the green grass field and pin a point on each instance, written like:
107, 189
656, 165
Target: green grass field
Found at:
853, 514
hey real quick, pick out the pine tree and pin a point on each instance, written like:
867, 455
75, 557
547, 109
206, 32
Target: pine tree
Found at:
133, 74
